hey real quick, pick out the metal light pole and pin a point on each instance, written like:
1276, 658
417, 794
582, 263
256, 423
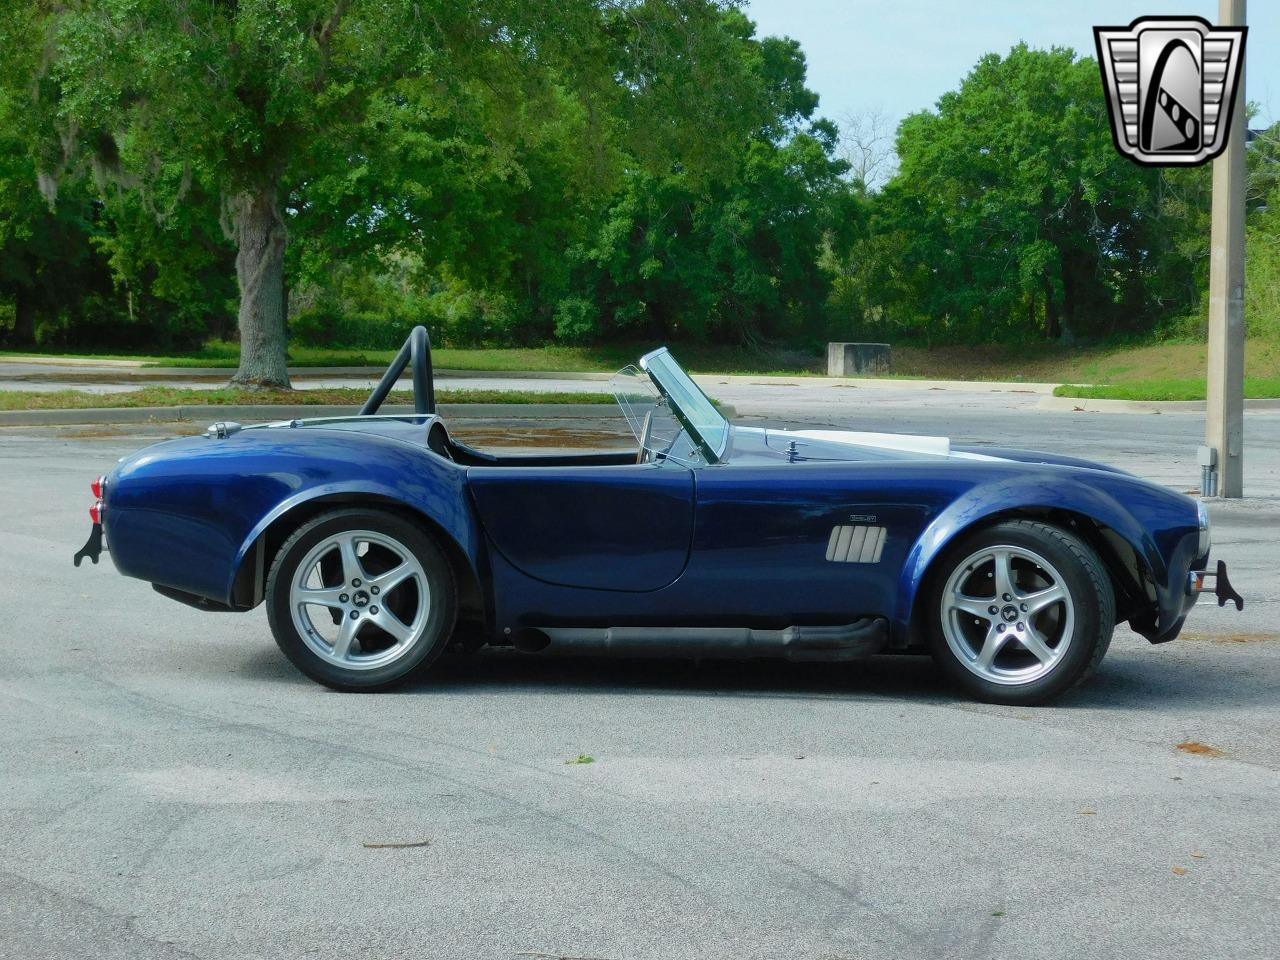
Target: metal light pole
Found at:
1224, 421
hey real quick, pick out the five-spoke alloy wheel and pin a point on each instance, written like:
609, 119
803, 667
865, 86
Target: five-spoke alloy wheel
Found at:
359, 599
1021, 612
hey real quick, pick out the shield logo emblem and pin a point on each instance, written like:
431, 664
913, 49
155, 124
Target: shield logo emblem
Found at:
1170, 84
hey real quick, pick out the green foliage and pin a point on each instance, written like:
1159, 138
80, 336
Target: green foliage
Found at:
1262, 281
576, 319
82, 263
1012, 216
370, 128
368, 310
1262, 239
584, 246
733, 257
575, 172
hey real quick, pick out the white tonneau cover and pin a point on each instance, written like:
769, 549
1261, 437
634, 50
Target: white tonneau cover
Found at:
936, 446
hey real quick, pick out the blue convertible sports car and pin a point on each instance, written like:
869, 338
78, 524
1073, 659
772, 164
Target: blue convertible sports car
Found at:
379, 541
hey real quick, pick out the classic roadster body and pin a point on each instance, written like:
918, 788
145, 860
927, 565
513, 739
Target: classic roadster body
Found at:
379, 541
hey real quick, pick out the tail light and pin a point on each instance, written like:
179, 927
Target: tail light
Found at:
95, 512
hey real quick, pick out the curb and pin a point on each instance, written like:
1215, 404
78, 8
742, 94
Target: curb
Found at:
1088, 405
271, 412
876, 383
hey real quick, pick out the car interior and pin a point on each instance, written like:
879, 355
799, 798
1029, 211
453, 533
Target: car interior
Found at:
439, 442
660, 436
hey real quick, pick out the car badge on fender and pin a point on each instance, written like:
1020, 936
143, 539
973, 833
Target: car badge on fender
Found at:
1170, 85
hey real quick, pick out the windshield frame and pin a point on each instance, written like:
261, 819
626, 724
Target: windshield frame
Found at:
702, 421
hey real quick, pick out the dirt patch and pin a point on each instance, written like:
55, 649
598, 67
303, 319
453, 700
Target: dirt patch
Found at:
1199, 749
132, 376
1233, 638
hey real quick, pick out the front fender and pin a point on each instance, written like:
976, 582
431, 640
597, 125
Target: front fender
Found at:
1099, 499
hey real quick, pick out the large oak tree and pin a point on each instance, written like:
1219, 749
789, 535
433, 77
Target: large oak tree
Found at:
268, 102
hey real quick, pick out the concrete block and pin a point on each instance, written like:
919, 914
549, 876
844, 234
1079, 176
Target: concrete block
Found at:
857, 359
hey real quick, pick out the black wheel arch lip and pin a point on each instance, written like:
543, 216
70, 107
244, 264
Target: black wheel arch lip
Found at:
468, 559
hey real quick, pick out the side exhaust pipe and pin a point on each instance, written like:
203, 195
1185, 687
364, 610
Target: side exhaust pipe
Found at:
853, 641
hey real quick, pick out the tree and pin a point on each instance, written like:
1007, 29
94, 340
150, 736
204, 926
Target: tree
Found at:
1013, 213
732, 257
259, 101
866, 144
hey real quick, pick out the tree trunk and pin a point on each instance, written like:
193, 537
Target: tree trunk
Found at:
1051, 328
24, 319
1068, 321
260, 236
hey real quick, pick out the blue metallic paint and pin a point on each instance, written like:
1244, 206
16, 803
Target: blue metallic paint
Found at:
735, 544
761, 532
561, 524
1149, 519
185, 513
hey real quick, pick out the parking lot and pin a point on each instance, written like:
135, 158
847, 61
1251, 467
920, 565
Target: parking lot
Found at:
174, 788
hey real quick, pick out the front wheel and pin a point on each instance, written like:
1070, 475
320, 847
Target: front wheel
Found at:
1019, 613
360, 599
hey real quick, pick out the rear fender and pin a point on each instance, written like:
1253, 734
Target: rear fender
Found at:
989, 502
454, 519
187, 513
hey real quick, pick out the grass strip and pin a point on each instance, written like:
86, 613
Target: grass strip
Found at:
1255, 388
177, 396
549, 359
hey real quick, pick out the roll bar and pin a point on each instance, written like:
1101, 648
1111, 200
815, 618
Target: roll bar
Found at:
415, 353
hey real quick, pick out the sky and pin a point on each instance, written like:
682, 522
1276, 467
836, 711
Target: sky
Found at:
899, 56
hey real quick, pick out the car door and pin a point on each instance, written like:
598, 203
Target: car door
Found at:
620, 527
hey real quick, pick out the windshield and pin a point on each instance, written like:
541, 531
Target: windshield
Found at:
699, 416
660, 435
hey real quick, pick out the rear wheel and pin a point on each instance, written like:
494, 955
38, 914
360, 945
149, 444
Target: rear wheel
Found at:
360, 599
1019, 613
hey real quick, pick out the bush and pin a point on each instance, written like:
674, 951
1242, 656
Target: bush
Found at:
454, 317
575, 319
1262, 285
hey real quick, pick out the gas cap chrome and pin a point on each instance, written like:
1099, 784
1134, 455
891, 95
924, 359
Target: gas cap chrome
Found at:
223, 429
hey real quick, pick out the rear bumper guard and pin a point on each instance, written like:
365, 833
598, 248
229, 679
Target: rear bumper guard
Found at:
92, 548
1198, 581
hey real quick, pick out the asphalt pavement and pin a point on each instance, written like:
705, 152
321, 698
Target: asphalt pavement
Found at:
173, 788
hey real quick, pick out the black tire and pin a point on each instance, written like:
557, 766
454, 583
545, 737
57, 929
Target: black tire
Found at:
420, 650
1085, 581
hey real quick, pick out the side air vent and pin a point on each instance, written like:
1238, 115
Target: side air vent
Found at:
855, 544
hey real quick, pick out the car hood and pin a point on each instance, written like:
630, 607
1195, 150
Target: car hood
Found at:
755, 444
